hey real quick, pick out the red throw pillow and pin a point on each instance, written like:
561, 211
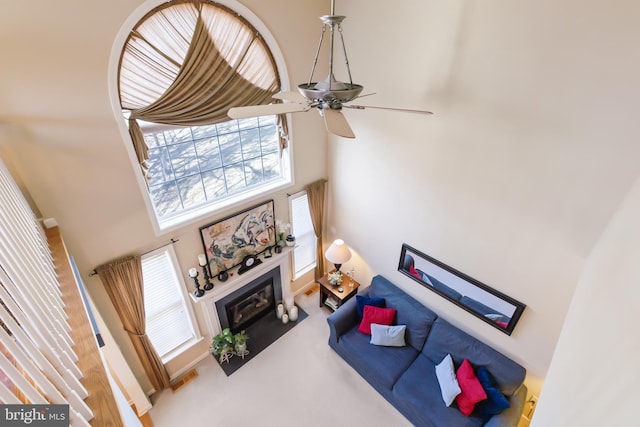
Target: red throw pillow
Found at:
371, 314
472, 391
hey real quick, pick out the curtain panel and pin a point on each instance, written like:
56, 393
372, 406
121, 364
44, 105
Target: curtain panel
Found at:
166, 80
122, 279
315, 196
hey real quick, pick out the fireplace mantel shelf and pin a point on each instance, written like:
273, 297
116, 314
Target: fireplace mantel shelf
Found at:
222, 288
237, 281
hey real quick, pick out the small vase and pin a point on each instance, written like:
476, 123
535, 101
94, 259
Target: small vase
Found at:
223, 276
285, 318
290, 240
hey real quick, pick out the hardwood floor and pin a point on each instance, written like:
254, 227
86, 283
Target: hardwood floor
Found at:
145, 419
101, 399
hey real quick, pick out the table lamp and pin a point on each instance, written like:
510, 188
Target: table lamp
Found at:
338, 253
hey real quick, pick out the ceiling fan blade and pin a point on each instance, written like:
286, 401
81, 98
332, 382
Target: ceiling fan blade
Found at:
336, 123
405, 110
366, 94
292, 96
266, 110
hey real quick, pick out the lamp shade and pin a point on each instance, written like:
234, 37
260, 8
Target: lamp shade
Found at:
338, 253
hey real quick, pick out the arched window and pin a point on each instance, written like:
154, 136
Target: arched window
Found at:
183, 65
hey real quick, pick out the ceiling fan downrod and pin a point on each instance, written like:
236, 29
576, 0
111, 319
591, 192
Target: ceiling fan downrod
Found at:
330, 92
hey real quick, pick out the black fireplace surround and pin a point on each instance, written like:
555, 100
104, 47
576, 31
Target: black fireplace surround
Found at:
251, 302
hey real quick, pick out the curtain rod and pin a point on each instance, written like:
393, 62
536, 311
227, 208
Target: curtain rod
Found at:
94, 272
305, 187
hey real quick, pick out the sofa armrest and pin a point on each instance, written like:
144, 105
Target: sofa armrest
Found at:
510, 417
341, 320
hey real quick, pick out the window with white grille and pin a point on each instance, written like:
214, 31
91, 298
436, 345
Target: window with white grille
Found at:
304, 254
171, 325
195, 160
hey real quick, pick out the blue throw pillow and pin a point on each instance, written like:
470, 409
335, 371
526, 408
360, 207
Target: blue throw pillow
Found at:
495, 402
361, 301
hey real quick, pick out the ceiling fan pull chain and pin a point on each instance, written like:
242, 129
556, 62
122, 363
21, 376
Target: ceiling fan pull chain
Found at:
315, 60
344, 49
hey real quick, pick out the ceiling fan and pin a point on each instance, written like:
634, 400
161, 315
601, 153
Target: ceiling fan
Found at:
329, 96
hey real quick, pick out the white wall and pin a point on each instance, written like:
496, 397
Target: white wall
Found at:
532, 146
593, 378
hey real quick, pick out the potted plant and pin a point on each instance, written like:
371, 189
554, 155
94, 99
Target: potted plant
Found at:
241, 342
282, 228
335, 278
223, 345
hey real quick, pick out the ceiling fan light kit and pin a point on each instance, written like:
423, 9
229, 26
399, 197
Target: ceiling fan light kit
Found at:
328, 95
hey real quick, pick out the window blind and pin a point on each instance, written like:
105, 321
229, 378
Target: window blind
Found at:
304, 254
169, 322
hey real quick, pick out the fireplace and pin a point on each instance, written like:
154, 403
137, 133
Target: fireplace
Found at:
251, 302
237, 287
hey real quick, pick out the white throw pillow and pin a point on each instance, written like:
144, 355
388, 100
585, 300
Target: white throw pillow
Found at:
447, 379
390, 336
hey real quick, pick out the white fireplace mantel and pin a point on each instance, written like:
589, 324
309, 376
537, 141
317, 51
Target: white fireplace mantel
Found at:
237, 281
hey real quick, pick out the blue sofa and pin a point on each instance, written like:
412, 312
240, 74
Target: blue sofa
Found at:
406, 376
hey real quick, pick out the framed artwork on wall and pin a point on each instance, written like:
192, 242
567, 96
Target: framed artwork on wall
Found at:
490, 305
229, 241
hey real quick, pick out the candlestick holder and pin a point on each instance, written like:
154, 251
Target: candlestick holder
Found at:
198, 292
207, 279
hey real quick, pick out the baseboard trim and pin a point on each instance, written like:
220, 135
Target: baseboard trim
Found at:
304, 288
190, 366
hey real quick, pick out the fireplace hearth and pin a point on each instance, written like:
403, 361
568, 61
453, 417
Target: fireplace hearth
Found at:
241, 298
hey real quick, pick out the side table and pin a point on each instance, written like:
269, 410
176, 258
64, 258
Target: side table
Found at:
331, 297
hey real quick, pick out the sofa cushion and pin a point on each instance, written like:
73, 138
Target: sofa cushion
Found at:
472, 391
445, 338
418, 393
381, 366
410, 312
371, 314
495, 401
390, 336
362, 300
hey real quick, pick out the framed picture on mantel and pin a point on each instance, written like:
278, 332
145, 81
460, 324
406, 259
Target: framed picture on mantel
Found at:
228, 241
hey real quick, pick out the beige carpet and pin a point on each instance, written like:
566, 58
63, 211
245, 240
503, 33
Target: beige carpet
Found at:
298, 380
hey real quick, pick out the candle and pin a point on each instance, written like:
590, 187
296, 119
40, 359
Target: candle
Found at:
193, 272
202, 260
288, 303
